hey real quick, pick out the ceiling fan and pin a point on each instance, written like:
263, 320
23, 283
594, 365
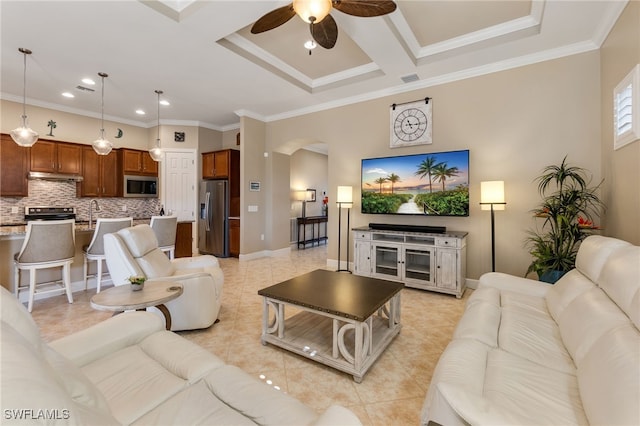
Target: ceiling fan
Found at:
323, 27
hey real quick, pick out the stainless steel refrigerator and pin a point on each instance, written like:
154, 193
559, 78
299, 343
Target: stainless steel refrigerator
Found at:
213, 223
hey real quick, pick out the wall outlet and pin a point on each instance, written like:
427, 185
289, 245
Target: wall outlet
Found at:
14, 210
124, 208
262, 237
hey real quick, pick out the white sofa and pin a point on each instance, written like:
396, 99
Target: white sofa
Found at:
135, 251
529, 353
129, 370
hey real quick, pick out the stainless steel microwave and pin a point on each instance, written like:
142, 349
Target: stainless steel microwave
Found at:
140, 186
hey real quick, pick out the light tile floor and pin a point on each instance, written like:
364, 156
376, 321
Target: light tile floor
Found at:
391, 392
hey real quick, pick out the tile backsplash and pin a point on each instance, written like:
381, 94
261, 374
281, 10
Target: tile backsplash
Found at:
63, 194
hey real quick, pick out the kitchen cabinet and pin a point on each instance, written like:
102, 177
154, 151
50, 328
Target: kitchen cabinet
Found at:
56, 157
435, 262
14, 164
184, 240
102, 174
218, 164
234, 237
136, 162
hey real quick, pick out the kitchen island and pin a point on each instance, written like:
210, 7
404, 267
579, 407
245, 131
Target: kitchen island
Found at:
12, 237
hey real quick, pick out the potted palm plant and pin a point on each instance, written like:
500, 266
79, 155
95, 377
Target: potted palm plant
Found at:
569, 206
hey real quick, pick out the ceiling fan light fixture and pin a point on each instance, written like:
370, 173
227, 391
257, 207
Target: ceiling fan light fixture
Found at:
310, 44
24, 135
316, 9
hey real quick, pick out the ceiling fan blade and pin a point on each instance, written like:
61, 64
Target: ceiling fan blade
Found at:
273, 19
365, 8
325, 33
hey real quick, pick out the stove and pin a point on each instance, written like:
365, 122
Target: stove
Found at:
49, 213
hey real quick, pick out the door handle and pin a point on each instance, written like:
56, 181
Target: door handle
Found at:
207, 198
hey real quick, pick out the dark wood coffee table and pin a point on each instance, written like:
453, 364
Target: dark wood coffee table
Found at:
345, 321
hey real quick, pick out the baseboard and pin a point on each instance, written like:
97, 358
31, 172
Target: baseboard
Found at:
265, 253
472, 284
76, 286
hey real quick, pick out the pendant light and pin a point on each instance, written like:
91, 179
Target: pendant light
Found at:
101, 145
23, 135
156, 151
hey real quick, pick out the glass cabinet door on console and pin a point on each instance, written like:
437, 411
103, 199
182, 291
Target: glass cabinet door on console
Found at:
419, 265
387, 263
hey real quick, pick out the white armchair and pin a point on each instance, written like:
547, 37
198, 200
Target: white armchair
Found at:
134, 251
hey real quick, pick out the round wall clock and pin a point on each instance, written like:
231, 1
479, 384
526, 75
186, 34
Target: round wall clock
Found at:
411, 123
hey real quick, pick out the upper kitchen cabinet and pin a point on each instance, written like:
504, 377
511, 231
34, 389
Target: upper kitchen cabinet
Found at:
56, 157
218, 164
135, 162
102, 174
14, 164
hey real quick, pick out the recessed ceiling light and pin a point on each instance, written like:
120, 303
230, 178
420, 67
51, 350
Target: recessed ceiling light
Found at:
140, 112
68, 95
165, 103
88, 81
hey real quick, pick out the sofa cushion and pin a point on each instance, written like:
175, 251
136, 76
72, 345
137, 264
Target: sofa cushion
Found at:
195, 405
620, 279
533, 335
594, 252
609, 378
541, 395
181, 357
481, 320
588, 317
570, 286
132, 382
32, 393
74, 382
156, 264
16, 315
256, 400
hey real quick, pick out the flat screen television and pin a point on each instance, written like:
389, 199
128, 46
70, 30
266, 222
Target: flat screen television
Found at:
431, 184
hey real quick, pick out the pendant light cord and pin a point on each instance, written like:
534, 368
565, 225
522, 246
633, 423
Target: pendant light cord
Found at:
24, 86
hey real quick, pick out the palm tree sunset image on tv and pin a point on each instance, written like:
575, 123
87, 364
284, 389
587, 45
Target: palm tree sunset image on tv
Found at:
434, 184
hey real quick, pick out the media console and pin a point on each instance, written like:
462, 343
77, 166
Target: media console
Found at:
433, 261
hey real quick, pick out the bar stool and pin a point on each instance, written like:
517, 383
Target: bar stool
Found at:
95, 250
165, 229
47, 244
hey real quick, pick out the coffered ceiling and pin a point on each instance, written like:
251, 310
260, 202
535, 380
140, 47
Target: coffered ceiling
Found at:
212, 69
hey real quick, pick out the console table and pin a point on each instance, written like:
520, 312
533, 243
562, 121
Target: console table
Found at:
316, 235
428, 261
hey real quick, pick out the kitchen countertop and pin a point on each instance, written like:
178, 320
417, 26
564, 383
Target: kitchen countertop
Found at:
18, 231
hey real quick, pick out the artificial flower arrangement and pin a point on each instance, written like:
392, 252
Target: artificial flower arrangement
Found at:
137, 282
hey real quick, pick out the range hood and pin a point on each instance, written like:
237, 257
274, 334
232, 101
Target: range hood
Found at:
54, 176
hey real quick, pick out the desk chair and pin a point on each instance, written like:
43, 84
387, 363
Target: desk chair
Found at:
164, 227
95, 250
47, 244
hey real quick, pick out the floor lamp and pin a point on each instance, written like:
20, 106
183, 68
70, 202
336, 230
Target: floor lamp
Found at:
492, 198
344, 200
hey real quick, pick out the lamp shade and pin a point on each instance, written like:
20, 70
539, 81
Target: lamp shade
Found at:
345, 195
492, 192
318, 9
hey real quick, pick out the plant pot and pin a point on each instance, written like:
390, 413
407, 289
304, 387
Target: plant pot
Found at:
137, 287
551, 276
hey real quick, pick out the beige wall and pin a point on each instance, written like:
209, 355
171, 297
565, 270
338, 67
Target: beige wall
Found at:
621, 168
513, 122
253, 169
73, 127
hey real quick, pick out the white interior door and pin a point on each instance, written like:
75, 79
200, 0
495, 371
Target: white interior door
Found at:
179, 184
